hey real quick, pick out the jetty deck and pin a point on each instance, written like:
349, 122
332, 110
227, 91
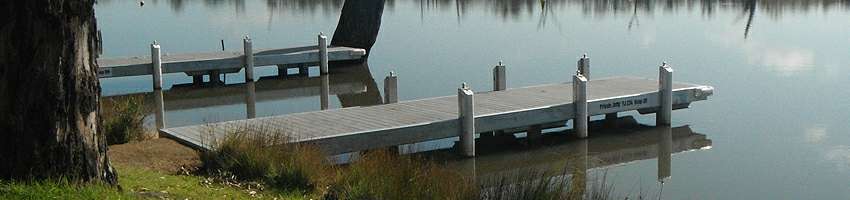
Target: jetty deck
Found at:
226, 62
362, 128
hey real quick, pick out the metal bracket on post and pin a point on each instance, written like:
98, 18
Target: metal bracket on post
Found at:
665, 92
499, 80
156, 64
323, 53
467, 120
391, 88
249, 59
584, 66
580, 101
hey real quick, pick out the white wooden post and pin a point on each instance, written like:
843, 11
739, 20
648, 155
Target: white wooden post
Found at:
580, 102
156, 64
499, 80
325, 93
323, 53
665, 149
251, 100
159, 115
467, 120
391, 88
249, 59
665, 92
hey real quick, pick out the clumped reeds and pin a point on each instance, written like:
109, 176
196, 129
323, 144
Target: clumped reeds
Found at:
258, 154
122, 119
383, 174
269, 157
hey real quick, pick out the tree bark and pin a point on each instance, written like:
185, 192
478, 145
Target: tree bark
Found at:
359, 24
49, 92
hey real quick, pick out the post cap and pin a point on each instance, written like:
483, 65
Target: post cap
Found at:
248, 37
584, 56
392, 73
464, 85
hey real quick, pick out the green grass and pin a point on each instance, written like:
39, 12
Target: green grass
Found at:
58, 189
139, 184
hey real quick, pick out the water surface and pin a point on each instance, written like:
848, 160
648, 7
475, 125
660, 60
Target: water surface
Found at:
778, 121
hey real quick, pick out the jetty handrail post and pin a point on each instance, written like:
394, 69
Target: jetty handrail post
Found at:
156, 64
249, 58
466, 116
665, 92
580, 101
391, 88
323, 53
499, 80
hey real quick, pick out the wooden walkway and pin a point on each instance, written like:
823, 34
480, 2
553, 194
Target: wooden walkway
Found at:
362, 128
226, 62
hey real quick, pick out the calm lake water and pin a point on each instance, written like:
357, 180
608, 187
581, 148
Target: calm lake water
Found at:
777, 126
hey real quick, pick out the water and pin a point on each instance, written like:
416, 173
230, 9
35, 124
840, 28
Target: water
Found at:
778, 121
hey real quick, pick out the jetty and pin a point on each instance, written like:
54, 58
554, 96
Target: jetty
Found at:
214, 64
467, 115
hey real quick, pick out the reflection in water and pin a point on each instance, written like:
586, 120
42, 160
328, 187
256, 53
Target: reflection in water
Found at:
665, 151
251, 100
351, 83
562, 152
159, 113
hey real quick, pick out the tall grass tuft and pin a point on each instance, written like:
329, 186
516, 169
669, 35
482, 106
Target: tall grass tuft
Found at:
257, 154
383, 174
122, 119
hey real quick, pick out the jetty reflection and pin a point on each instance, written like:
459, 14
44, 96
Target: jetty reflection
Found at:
563, 152
352, 84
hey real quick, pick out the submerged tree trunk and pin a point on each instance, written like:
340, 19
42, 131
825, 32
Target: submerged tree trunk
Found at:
359, 24
49, 92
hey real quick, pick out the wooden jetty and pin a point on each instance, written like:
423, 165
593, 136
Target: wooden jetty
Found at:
215, 63
354, 129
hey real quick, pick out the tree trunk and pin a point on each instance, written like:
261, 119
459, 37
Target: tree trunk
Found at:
358, 24
49, 92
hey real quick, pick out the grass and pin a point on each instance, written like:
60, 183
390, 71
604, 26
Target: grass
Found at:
58, 189
137, 183
122, 119
267, 158
383, 174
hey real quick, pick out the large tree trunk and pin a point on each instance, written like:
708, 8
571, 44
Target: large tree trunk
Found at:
49, 92
359, 24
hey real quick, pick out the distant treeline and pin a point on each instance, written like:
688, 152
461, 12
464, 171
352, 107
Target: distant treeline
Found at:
510, 8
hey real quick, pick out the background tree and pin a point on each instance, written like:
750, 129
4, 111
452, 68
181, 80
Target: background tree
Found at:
49, 92
359, 23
